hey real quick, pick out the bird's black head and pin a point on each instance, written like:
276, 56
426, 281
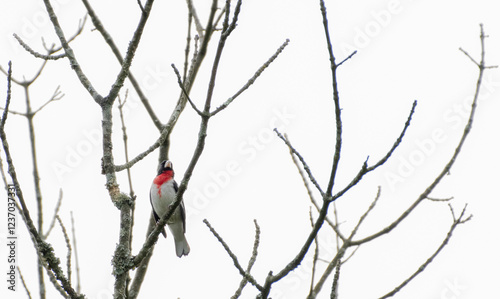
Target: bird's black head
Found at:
165, 166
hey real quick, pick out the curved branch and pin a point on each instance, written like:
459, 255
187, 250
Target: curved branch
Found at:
446, 169
43, 248
365, 169
35, 53
456, 222
304, 164
243, 273
336, 100
109, 40
251, 80
70, 54
251, 262
132, 47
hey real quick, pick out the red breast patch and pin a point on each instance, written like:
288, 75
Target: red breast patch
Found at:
162, 178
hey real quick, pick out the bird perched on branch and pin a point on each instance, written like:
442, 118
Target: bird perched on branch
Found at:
162, 194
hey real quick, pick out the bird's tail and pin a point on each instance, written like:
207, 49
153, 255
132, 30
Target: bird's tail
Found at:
181, 246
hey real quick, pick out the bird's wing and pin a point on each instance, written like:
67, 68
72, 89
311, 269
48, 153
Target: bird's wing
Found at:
183, 215
182, 208
157, 218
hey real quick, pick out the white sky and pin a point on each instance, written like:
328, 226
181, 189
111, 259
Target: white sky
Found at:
407, 50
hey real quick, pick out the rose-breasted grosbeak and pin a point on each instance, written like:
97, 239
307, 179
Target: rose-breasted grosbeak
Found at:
162, 194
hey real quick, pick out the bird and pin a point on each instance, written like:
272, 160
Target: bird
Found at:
162, 194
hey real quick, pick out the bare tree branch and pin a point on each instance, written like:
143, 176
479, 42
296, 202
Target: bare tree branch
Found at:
43, 248
109, 40
333, 225
7, 101
127, 61
26, 83
251, 80
197, 23
446, 169
198, 58
200, 145
347, 58
77, 266
69, 53
251, 262
36, 54
186, 94
304, 164
334, 263
336, 100
68, 246
335, 284
365, 168
56, 212
243, 273
439, 199
456, 222
188, 47
55, 97
142, 268
131, 189
52, 49
315, 257
24, 283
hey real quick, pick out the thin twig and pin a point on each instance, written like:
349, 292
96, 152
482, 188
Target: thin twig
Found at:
23, 282
79, 30
125, 141
55, 97
186, 94
347, 58
251, 262
335, 284
140, 272
198, 58
456, 222
25, 83
347, 243
188, 47
43, 248
15, 112
362, 218
129, 56
68, 246
77, 266
470, 57
197, 23
315, 257
440, 199
35, 53
251, 80
366, 169
109, 40
332, 265
7, 101
304, 164
75, 65
140, 6
446, 169
333, 225
243, 273
200, 145
336, 101
129, 176
56, 212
